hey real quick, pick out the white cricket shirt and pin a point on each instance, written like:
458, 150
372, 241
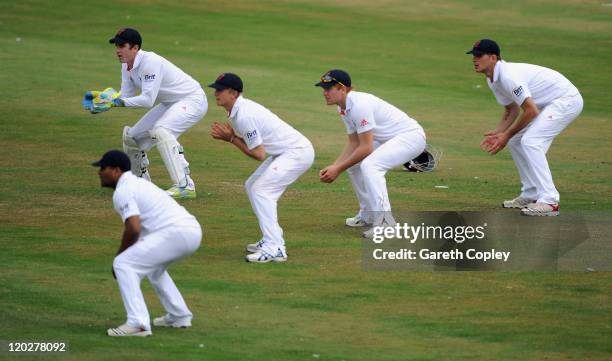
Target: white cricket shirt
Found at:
515, 82
366, 112
256, 125
135, 196
157, 79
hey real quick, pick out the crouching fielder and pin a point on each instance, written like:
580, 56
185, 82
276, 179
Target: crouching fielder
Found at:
256, 131
380, 137
158, 232
550, 102
181, 104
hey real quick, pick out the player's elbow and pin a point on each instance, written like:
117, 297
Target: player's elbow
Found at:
259, 156
149, 102
366, 149
530, 109
259, 152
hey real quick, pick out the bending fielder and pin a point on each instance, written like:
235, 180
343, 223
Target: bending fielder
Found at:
380, 137
181, 104
157, 232
258, 132
550, 102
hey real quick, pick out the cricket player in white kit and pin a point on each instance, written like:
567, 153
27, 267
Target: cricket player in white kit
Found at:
380, 137
258, 133
550, 102
181, 104
158, 232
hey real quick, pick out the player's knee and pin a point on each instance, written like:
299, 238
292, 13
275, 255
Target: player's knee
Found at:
261, 189
257, 189
247, 186
129, 142
368, 165
161, 134
354, 169
531, 143
514, 142
119, 263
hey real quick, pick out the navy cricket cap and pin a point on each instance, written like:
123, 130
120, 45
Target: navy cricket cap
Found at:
127, 35
334, 76
114, 158
227, 81
484, 46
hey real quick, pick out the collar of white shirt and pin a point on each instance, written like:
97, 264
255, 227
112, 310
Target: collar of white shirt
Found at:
123, 178
236, 106
138, 59
497, 70
349, 104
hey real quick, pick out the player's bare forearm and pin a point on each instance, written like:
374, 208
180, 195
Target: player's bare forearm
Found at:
530, 112
364, 146
358, 154
257, 153
511, 112
349, 148
131, 233
495, 142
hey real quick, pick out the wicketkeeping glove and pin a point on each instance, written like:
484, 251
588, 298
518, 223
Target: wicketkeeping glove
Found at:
88, 99
98, 102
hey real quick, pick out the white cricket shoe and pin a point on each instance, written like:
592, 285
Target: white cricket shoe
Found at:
169, 321
518, 202
541, 209
356, 221
125, 331
262, 256
255, 247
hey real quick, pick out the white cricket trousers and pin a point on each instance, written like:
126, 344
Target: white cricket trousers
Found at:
368, 176
176, 118
150, 256
529, 146
268, 183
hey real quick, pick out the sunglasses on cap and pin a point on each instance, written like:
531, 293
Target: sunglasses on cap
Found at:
328, 79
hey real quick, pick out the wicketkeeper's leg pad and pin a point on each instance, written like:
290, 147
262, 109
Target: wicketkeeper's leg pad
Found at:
138, 158
171, 153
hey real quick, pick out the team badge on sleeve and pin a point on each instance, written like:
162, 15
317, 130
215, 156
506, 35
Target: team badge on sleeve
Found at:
518, 91
252, 135
124, 208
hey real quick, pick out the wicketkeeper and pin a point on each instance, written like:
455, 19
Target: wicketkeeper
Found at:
178, 102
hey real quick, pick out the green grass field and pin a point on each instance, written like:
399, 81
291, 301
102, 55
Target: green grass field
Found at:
59, 231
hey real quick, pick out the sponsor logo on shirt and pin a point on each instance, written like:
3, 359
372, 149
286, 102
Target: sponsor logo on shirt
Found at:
150, 77
363, 123
251, 135
518, 91
124, 207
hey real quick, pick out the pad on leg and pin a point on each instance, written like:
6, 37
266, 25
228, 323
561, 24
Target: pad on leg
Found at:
171, 153
138, 158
